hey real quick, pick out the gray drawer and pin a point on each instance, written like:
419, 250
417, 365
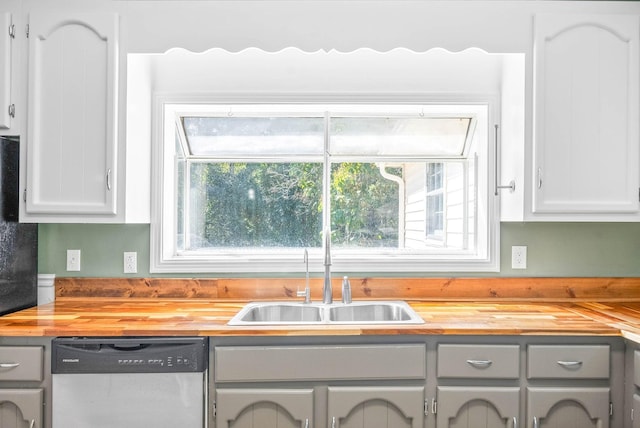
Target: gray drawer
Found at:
299, 363
568, 361
479, 361
21, 363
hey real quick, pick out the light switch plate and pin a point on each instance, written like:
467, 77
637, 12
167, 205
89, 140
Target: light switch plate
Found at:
73, 260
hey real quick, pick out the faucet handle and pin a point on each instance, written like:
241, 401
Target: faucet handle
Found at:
346, 290
306, 293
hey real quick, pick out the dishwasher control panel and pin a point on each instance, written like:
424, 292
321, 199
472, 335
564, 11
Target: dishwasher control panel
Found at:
129, 355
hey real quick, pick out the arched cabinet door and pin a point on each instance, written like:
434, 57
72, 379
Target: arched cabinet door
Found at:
636, 411
587, 102
567, 407
72, 138
264, 408
478, 407
21, 408
376, 407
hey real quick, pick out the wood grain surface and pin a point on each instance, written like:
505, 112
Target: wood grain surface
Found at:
526, 288
157, 317
453, 306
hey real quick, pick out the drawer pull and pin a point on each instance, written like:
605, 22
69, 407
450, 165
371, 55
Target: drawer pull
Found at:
9, 365
571, 365
480, 364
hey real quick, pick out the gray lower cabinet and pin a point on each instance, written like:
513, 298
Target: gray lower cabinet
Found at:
476, 404
560, 407
376, 407
21, 408
478, 407
632, 386
474, 382
21, 404
347, 407
306, 386
579, 401
264, 408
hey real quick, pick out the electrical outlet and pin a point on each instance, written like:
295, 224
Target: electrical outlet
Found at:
518, 257
131, 262
73, 260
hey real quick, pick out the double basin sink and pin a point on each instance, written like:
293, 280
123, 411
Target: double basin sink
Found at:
299, 313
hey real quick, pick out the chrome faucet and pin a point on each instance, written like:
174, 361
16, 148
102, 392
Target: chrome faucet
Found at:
327, 293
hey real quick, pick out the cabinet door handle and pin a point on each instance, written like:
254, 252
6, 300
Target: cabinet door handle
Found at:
539, 178
333, 422
9, 365
306, 423
480, 364
535, 422
512, 184
109, 179
570, 364
32, 424
514, 423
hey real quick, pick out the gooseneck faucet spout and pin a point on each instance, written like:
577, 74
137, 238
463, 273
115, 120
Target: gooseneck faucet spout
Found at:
327, 293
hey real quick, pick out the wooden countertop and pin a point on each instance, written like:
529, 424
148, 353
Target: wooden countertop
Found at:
69, 316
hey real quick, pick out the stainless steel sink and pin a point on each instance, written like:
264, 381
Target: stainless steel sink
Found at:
357, 312
270, 313
374, 313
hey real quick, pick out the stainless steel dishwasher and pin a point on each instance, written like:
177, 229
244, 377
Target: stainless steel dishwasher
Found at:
129, 382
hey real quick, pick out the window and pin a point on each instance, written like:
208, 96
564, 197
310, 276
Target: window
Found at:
435, 201
248, 187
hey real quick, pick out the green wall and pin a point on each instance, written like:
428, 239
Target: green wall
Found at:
573, 249
554, 249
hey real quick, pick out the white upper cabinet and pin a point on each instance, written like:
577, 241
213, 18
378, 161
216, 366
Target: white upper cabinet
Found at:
12, 38
586, 109
7, 33
72, 121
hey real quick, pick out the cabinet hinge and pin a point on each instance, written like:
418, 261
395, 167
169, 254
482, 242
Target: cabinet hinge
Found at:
12, 110
24, 195
426, 407
12, 31
610, 409
434, 406
214, 409
27, 32
632, 414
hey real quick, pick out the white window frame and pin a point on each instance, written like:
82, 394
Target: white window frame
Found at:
441, 191
165, 258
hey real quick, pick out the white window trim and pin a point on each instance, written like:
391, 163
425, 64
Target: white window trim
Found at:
432, 239
164, 258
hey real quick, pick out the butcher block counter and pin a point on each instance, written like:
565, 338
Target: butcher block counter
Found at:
154, 317
99, 307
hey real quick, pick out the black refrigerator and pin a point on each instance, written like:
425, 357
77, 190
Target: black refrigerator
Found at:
18, 241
